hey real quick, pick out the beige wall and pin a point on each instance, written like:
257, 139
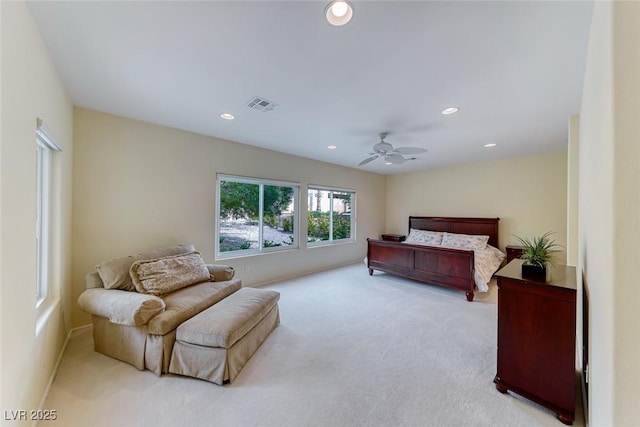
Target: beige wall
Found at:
609, 220
627, 211
596, 223
573, 170
528, 194
139, 186
30, 89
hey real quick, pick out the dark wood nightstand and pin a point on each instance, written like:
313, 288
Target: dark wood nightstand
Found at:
394, 237
537, 337
513, 252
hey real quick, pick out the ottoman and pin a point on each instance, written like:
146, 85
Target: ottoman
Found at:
215, 344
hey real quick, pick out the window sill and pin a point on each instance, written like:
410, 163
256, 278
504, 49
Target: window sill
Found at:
326, 243
45, 311
233, 255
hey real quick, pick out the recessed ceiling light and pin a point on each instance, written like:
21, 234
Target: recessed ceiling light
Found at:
489, 145
339, 12
227, 116
450, 110
332, 147
388, 163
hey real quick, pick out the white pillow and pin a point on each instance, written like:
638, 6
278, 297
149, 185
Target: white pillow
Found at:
424, 237
464, 241
168, 274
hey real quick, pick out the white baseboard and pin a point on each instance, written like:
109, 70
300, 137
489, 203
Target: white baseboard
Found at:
71, 333
298, 275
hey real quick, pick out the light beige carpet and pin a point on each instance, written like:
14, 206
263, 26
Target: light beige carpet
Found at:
352, 350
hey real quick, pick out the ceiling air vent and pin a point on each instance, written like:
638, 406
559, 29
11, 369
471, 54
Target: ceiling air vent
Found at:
261, 104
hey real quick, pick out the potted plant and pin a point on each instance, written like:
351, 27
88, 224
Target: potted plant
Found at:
537, 255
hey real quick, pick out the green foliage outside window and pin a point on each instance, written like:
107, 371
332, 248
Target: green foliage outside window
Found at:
318, 224
242, 200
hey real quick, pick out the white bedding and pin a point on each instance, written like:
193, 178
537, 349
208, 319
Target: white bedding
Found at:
486, 262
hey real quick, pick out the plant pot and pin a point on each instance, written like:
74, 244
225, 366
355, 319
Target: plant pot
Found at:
534, 272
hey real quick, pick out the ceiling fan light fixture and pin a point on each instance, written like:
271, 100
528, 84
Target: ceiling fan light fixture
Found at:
394, 158
339, 12
382, 147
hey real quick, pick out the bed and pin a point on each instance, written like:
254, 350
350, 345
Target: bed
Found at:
444, 251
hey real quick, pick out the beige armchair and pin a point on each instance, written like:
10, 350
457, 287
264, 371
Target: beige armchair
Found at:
135, 318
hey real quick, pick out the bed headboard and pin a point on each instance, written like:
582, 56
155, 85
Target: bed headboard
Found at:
484, 226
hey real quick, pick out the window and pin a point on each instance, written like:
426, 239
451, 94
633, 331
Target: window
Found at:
330, 215
255, 215
45, 147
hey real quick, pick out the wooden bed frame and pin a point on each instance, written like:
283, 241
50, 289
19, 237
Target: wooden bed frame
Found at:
453, 268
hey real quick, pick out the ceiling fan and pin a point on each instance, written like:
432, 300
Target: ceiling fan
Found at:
391, 155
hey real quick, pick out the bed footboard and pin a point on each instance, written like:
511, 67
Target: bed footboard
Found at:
452, 268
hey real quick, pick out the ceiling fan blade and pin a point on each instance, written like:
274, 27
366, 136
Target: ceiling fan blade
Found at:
368, 160
410, 150
396, 159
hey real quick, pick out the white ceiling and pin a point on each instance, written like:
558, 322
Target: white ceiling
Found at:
514, 69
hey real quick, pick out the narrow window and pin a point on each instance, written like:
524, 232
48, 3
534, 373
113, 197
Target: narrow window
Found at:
45, 147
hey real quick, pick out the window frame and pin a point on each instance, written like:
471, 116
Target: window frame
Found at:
331, 240
261, 182
45, 148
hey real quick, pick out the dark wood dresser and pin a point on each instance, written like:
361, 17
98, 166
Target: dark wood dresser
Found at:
537, 337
